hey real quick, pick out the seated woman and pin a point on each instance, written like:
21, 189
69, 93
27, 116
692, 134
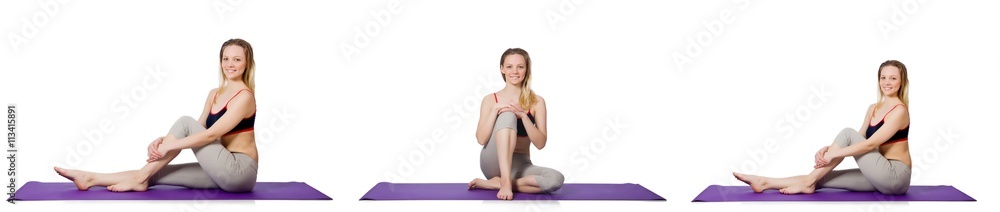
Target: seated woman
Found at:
222, 139
880, 149
510, 121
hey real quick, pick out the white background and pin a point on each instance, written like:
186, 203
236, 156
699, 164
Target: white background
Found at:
343, 123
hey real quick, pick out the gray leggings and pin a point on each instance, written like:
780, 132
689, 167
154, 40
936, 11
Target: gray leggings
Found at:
874, 172
216, 166
548, 179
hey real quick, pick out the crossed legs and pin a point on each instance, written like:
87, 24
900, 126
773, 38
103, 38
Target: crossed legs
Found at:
509, 172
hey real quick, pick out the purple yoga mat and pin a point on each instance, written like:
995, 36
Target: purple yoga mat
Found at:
717, 193
460, 191
262, 191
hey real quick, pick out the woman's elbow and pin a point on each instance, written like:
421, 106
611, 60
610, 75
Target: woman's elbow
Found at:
481, 141
540, 145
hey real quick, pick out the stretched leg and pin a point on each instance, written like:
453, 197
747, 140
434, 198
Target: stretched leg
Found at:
132, 180
495, 158
84, 179
803, 183
182, 128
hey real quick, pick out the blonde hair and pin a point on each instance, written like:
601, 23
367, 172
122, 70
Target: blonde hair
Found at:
527, 95
904, 84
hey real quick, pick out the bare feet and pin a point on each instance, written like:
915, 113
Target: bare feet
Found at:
492, 184
758, 184
83, 180
798, 189
506, 192
130, 185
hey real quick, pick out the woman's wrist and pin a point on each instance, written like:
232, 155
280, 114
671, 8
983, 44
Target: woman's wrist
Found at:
832, 154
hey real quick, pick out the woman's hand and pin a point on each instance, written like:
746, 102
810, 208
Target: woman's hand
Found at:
827, 157
158, 152
512, 106
821, 157
151, 150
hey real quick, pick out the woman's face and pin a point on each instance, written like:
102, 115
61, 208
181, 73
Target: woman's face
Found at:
889, 80
233, 62
514, 68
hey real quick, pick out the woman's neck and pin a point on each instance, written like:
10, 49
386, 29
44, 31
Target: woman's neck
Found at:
234, 83
886, 100
511, 90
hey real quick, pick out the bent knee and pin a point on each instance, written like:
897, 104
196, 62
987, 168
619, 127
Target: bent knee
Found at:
241, 186
895, 191
845, 136
553, 182
235, 183
899, 189
186, 120
506, 120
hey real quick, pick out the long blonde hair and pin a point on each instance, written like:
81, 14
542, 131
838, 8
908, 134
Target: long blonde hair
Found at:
247, 74
904, 84
527, 95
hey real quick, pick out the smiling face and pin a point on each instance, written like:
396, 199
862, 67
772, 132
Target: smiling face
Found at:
889, 80
514, 69
233, 62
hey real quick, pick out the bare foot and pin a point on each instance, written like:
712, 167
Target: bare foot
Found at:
131, 185
83, 180
506, 192
758, 184
798, 189
479, 183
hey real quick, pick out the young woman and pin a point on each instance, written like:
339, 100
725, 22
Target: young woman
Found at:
510, 121
222, 139
880, 148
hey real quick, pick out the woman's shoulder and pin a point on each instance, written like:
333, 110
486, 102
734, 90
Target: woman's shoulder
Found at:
489, 98
211, 95
539, 98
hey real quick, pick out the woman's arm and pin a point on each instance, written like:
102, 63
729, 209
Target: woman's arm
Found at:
239, 107
893, 122
537, 131
864, 124
208, 107
487, 117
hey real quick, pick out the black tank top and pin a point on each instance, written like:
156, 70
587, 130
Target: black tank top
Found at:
900, 135
245, 125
